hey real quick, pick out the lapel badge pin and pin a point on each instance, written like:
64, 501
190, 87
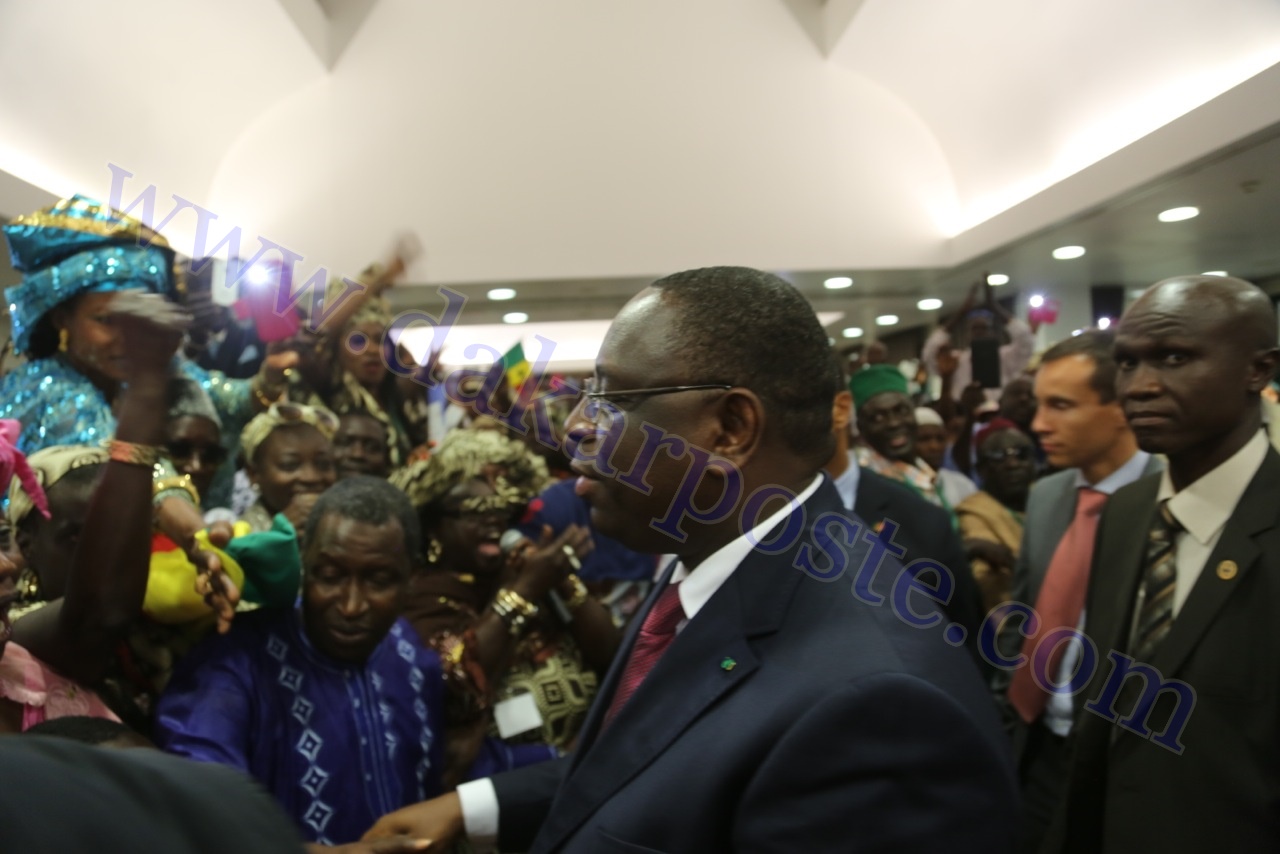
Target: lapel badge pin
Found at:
1228, 570
728, 664
879, 526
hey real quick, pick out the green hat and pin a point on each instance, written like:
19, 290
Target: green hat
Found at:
876, 379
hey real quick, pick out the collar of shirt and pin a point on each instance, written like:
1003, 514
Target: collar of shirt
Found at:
699, 586
847, 483
1204, 507
1123, 476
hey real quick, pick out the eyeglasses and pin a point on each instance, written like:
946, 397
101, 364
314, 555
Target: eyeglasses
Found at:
591, 391
1022, 454
210, 455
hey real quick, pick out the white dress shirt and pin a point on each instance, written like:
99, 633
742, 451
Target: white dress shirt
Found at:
1060, 709
847, 483
479, 800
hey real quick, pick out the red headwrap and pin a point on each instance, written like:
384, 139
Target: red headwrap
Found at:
995, 425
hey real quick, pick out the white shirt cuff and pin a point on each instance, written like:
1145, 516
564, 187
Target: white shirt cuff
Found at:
479, 802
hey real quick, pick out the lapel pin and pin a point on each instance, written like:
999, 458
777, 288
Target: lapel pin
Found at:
728, 664
1228, 570
879, 526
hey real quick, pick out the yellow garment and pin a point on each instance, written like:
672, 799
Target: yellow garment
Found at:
171, 596
982, 517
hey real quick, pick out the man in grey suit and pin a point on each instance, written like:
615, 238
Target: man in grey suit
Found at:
1083, 431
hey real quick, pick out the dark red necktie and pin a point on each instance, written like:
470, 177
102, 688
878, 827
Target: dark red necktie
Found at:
656, 634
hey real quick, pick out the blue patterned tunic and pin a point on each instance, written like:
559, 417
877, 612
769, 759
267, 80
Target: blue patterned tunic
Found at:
338, 745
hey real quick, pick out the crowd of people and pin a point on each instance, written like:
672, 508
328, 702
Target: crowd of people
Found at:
414, 632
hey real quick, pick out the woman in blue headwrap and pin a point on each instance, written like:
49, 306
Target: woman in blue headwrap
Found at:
75, 256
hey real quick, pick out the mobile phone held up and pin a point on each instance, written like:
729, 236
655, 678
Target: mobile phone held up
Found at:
985, 353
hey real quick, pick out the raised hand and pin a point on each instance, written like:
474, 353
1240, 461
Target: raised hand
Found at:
153, 328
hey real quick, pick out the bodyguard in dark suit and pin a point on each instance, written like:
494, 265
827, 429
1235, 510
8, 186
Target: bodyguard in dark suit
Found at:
783, 713
1186, 580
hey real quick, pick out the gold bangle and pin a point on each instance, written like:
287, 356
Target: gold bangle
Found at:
179, 483
133, 454
514, 610
580, 593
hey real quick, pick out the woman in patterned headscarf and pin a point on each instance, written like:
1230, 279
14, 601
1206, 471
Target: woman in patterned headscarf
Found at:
492, 616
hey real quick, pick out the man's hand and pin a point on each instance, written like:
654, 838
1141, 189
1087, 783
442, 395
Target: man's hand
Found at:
393, 845
996, 554
439, 820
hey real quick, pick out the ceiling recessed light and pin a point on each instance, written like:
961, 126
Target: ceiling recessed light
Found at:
1076, 332
1214, 273
929, 304
1178, 214
515, 317
852, 332
886, 320
1036, 301
502, 293
997, 279
1104, 323
836, 283
1066, 253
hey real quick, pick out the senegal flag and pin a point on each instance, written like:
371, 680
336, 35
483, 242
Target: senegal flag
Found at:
516, 366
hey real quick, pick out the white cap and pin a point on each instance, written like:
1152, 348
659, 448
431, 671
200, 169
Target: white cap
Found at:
925, 415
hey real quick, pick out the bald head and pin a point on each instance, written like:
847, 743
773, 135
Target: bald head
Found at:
1192, 355
1217, 298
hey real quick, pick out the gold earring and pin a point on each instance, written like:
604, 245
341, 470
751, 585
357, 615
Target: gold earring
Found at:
63, 338
434, 550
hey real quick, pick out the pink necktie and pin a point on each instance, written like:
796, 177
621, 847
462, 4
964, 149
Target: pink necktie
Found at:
1060, 603
655, 635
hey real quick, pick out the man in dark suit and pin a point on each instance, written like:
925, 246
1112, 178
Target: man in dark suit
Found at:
923, 530
752, 706
1178, 747
1082, 428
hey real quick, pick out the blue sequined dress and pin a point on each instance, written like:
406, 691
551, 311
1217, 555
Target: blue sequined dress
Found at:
58, 405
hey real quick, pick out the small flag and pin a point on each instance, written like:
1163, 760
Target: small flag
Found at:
516, 366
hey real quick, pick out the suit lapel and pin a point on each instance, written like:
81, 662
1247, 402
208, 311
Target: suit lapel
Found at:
710, 658
604, 696
1056, 520
1117, 565
1255, 513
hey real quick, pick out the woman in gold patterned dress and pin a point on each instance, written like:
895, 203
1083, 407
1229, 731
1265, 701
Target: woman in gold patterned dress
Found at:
492, 616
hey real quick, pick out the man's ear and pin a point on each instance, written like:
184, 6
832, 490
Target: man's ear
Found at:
740, 426
1262, 369
841, 411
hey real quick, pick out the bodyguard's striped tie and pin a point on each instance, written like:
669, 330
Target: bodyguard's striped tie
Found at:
1159, 579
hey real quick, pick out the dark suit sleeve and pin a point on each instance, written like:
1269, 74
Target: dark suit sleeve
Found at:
920, 771
524, 799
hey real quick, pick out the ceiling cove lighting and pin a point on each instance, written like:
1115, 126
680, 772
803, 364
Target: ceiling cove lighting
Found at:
502, 293
852, 332
887, 320
515, 317
1066, 253
997, 279
929, 304
1178, 214
837, 283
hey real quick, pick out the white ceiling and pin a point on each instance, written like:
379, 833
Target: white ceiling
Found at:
575, 149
